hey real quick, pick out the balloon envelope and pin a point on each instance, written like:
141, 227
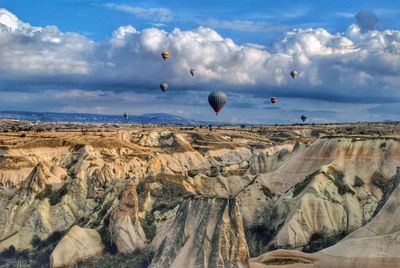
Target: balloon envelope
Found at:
217, 100
165, 55
274, 100
303, 117
191, 72
294, 74
164, 86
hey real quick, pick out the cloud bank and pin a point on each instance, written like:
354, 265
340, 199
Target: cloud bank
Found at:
354, 66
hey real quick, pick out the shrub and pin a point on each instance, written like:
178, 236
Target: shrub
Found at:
358, 182
8, 253
266, 191
35, 241
320, 240
109, 245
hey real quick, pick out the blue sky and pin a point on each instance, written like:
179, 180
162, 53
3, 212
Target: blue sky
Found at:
94, 19
101, 53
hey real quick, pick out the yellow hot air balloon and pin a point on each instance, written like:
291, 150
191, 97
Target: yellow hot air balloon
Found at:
165, 55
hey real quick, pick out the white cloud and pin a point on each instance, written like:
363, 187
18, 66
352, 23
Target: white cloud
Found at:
40, 52
154, 14
242, 25
350, 66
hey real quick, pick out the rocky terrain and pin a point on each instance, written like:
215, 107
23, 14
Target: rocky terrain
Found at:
106, 195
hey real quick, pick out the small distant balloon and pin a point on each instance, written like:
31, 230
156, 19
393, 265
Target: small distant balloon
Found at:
164, 86
274, 100
192, 72
217, 100
126, 116
165, 55
303, 117
294, 74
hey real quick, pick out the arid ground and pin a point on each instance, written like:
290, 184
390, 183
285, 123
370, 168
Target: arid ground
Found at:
92, 195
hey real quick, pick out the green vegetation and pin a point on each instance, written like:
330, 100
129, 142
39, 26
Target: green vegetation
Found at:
267, 192
319, 241
258, 238
38, 257
379, 181
338, 180
149, 226
390, 186
137, 259
358, 182
285, 261
300, 186
53, 196
344, 189
106, 238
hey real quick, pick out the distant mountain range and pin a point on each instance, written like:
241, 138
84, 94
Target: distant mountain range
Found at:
156, 118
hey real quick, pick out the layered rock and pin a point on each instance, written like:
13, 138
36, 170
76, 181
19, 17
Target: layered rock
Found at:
79, 244
377, 244
205, 233
125, 226
192, 195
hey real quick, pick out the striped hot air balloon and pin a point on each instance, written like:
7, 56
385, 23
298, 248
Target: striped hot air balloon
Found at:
165, 55
217, 100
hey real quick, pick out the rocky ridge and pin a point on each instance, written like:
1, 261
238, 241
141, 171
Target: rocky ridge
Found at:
191, 197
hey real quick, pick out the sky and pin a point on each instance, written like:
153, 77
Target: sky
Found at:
104, 57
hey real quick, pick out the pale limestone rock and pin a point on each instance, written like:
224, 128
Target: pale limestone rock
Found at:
205, 233
79, 244
319, 208
126, 229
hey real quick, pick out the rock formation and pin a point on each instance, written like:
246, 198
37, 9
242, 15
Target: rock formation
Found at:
79, 244
191, 197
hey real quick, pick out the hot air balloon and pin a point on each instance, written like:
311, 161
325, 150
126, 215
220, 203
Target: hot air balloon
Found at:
294, 74
164, 86
217, 100
165, 55
126, 116
274, 100
303, 117
191, 72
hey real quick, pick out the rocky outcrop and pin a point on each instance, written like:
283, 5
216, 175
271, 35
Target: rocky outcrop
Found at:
195, 197
325, 205
205, 233
125, 226
79, 244
377, 244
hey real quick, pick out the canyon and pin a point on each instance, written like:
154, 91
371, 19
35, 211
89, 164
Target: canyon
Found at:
119, 195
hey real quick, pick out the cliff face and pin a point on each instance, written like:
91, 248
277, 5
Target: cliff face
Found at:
191, 197
204, 233
374, 245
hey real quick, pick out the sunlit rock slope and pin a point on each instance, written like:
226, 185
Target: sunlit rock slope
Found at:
152, 196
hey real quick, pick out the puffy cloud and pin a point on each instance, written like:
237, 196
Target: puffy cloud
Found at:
36, 52
154, 14
353, 66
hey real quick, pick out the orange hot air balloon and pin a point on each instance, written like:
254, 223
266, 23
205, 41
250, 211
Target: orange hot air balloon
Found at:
165, 55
